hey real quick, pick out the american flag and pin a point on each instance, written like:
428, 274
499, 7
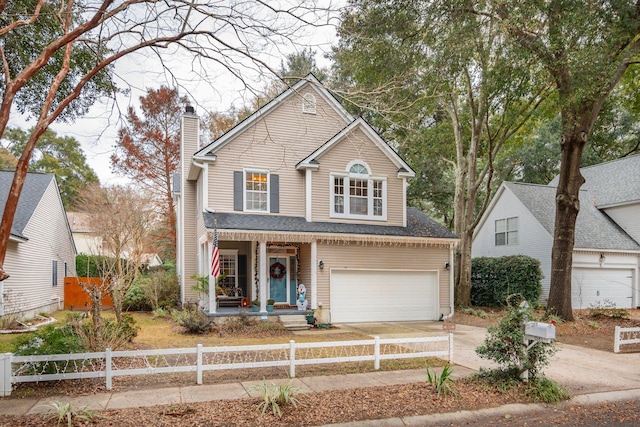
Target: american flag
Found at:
215, 256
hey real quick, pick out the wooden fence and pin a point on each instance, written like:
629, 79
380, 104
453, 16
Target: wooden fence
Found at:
110, 364
75, 298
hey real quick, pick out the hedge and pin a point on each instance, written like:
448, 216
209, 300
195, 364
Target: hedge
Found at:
494, 279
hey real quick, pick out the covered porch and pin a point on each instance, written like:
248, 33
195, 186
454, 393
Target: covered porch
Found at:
259, 272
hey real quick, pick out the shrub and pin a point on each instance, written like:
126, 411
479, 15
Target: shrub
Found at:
163, 291
66, 412
494, 279
50, 339
443, 383
192, 320
607, 308
504, 345
135, 298
158, 289
110, 334
276, 397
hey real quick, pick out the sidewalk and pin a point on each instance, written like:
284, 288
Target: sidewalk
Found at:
588, 374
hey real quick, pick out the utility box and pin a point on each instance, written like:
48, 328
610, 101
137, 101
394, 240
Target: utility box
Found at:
545, 331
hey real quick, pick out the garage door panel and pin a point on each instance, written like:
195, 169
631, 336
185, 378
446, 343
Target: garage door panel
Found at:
383, 295
590, 286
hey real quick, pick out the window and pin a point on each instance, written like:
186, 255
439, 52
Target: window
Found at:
308, 103
365, 195
229, 268
54, 273
256, 191
507, 231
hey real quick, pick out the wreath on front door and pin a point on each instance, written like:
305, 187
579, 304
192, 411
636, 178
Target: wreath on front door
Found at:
278, 270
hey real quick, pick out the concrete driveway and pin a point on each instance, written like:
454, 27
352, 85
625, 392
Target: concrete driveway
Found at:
581, 370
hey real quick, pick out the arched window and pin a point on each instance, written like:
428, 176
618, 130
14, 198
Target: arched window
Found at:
358, 194
308, 103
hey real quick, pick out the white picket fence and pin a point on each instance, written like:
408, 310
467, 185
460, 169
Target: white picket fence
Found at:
110, 364
625, 336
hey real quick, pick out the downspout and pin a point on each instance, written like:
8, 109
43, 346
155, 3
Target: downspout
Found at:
451, 281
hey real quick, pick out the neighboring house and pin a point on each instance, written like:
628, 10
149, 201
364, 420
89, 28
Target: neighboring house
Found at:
87, 242
83, 234
300, 192
606, 256
40, 252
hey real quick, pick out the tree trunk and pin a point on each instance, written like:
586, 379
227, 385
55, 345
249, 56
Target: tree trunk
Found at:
567, 208
463, 271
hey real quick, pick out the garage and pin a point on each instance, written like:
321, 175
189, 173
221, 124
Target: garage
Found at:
383, 295
592, 285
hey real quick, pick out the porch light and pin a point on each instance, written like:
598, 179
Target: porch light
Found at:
602, 259
321, 264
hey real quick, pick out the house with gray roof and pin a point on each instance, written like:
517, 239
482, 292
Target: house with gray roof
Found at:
302, 193
40, 252
606, 256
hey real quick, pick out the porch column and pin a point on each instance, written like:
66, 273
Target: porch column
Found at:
314, 274
212, 280
263, 277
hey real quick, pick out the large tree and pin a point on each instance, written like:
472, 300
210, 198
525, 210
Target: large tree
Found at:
61, 156
585, 48
447, 91
58, 56
148, 150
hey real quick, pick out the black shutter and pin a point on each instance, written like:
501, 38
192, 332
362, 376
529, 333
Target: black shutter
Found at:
242, 274
274, 193
238, 177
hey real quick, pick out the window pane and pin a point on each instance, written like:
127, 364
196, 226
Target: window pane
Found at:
377, 198
358, 205
377, 207
359, 169
512, 237
256, 191
512, 224
338, 204
500, 239
500, 223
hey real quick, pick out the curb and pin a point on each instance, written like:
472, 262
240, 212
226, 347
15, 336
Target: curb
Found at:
514, 408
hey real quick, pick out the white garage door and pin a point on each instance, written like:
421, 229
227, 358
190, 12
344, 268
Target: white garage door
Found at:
383, 295
592, 285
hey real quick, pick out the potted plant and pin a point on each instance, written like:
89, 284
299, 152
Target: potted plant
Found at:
270, 303
311, 315
255, 305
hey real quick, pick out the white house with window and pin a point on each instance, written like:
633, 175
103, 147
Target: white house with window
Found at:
300, 192
606, 257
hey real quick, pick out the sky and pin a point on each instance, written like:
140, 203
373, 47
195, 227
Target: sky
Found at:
218, 91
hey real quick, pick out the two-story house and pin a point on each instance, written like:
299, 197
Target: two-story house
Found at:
606, 257
301, 192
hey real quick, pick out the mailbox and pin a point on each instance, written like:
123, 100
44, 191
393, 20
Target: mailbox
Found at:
540, 330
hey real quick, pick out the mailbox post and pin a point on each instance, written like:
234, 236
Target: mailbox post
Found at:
534, 333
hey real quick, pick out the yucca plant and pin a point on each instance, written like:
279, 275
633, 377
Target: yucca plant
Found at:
276, 396
443, 383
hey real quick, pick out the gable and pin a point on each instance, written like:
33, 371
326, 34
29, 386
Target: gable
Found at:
327, 108
35, 184
594, 229
358, 135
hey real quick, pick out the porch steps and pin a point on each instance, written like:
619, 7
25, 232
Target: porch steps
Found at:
296, 322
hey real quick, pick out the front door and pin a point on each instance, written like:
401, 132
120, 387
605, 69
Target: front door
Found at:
279, 278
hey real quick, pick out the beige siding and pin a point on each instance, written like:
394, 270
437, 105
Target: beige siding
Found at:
382, 258
357, 146
277, 142
190, 214
30, 263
